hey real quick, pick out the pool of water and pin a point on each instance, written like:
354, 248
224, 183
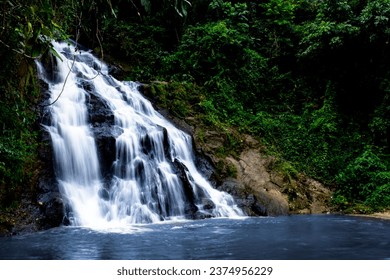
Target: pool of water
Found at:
318, 237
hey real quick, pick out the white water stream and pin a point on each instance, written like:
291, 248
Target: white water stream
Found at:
144, 186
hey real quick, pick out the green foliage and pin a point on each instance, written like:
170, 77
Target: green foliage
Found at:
374, 18
18, 144
286, 169
230, 146
366, 179
231, 171
380, 123
220, 56
380, 197
180, 6
312, 141
281, 13
297, 114
140, 45
29, 26
234, 13
179, 98
278, 25
207, 51
331, 29
26, 33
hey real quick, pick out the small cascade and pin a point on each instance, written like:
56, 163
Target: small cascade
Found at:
151, 174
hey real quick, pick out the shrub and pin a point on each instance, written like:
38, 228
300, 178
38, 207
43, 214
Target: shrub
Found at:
366, 179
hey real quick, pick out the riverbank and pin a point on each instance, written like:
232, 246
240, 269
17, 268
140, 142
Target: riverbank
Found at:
380, 215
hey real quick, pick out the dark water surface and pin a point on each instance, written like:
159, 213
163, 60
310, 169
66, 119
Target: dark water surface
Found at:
275, 238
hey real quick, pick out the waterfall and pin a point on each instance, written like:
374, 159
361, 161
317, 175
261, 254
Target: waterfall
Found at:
152, 176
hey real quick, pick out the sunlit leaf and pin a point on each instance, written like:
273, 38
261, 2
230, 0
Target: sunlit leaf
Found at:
55, 53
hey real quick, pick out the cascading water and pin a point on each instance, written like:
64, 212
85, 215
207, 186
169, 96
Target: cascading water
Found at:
153, 176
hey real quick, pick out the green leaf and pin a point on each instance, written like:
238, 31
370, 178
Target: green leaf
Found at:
55, 53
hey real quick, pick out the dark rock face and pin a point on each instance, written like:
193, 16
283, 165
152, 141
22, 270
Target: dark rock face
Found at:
205, 166
116, 71
98, 110
246, 200
182, 172
48, 195
105, 132
50, 68
105, 137
52, 209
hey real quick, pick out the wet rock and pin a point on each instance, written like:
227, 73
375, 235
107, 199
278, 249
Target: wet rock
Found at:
105, 139
208, 204
53, 210
104, 194
98, 110
182, 173
48, 197
147, 145
116, 71
50, 66
244, 197
190, 210
205, 166
105, 132
202, 215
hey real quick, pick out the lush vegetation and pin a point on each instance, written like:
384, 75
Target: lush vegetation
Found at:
25, 33
310, 78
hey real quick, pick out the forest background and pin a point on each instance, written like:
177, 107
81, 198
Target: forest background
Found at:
310, 79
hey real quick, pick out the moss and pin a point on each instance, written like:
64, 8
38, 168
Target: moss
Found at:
179, 98
231, 170
200, 136
286, 169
